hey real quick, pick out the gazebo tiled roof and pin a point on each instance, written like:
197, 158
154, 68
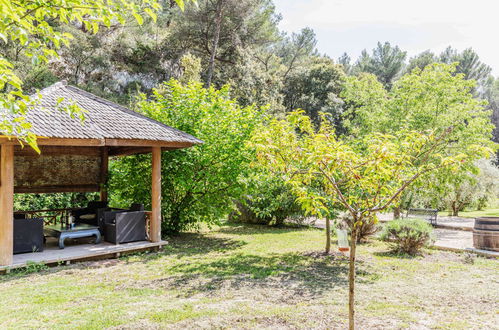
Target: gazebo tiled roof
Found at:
103, 119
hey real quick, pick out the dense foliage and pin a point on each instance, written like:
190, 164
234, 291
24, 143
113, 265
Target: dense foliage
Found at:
27, 29
408, 235
120, 50
199, 183
27, 202
268, 201
433, 98
475, 188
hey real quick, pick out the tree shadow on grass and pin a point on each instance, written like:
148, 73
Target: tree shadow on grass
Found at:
185, 245
189, 244
293, 275
394, 254
248, 229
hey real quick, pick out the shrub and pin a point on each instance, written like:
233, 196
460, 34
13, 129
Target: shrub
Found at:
198, 183
408, 235
268, 201
367, 228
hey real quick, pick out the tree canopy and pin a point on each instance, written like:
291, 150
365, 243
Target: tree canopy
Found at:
30, 28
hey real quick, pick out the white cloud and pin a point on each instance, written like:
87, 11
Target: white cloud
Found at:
352, 25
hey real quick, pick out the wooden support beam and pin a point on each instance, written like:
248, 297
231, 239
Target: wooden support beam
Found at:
57, 151
127, 151
6, 204
146, 143
57, 189
104, 174
155, 225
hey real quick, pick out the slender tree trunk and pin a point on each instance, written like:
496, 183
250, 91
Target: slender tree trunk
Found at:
397, 212
216, 37
351, 281
328, 235
455, 209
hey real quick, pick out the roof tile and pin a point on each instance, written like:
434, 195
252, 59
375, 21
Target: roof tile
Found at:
103, 119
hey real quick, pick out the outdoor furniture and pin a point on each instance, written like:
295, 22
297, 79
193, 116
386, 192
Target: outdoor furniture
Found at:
427, 214
78, 231
74, 156
28, 235
89, 214
125, 226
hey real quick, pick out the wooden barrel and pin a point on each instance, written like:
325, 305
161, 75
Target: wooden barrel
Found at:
486, 233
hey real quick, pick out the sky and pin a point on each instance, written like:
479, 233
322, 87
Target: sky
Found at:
414, 25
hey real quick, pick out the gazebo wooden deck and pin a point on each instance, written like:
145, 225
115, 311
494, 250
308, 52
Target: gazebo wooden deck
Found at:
74, 158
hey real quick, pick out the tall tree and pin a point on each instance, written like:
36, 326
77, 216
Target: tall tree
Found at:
25, 25
315, 88
469, 64
345, 61
295, 49
246, 25
216, 36
491, 94
421, 61
386, 62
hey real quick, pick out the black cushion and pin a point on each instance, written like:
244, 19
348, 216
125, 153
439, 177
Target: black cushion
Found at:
96, 205
137, 207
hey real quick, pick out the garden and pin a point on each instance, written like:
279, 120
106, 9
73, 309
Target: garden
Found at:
239, 178
253, 276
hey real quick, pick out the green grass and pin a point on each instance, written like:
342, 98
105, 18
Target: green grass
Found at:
254, 277
491, 211
475, 214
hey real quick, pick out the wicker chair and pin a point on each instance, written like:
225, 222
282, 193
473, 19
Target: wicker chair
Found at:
89, 214
28, 235
122, 226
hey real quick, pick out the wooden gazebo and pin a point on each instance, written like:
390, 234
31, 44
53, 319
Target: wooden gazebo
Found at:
74, 153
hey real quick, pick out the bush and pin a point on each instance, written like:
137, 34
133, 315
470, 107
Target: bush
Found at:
199, 184
366, 229
269, 202
408, 235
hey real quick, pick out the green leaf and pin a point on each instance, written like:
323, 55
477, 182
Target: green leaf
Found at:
95, 27
139, 18
180, 4
151, 13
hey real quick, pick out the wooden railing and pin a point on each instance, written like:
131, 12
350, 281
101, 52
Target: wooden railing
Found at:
50, 217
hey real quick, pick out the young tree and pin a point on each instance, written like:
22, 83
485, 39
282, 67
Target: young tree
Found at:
364, 175
433, 98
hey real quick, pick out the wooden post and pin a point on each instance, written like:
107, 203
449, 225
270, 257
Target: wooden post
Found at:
155, 225
6, 204
104, 173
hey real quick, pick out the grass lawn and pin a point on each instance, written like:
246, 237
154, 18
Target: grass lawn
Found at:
492, 211
255, 277
475, 214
